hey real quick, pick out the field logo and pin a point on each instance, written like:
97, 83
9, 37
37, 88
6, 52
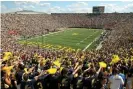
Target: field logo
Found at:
75, 34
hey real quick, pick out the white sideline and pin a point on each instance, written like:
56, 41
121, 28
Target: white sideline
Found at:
90, 43
100, 45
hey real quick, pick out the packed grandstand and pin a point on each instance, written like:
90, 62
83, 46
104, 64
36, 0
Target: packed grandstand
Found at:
32, 67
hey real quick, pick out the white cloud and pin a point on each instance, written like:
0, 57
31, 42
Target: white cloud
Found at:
126, 1
32, 6
12, 10
44, 4
26, 2
129, 6
34, 2
80, 10
116, 8
79, 7
28, 7
56, 9
3, 7
17, 9
20, 2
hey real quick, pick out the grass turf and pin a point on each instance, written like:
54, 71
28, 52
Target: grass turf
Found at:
76, 38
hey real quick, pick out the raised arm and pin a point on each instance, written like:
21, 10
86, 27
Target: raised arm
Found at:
86, 70
77, 69
98, 71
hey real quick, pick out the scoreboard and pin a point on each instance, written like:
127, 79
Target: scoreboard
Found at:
98, 9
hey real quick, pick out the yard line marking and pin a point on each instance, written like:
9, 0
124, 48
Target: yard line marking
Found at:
77, 43
90, 43
86, 38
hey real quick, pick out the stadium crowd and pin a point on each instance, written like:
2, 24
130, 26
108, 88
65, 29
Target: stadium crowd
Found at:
28, 67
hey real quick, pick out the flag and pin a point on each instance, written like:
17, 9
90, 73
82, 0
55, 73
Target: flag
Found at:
52, 70
7, 55
103, 64
57, 63
115, 59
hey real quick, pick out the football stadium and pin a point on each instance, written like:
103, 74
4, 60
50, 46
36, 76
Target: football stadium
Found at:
84, 50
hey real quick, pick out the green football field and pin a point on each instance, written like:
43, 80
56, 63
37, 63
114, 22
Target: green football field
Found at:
75, 38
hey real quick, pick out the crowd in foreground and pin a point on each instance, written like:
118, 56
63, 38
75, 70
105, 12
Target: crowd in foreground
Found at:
47, 69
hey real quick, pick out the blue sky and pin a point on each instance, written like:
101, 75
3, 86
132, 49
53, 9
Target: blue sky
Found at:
66, 6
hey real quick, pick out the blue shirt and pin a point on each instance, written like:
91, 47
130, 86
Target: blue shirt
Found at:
123, 77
